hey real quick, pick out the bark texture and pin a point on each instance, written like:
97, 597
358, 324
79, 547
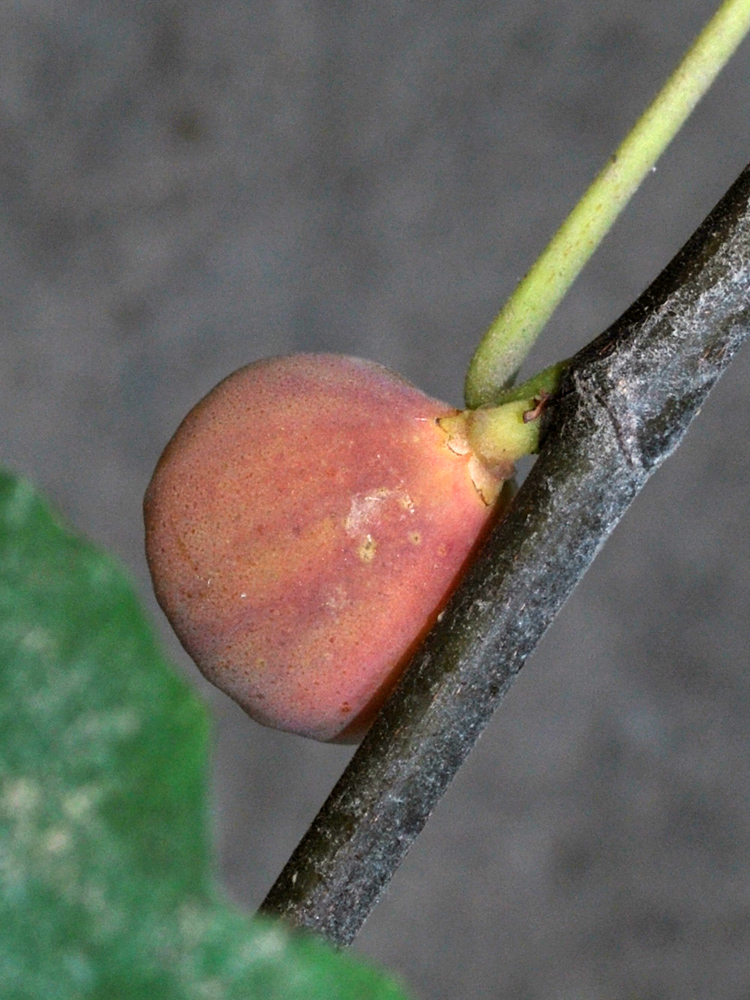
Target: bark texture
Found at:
625, 404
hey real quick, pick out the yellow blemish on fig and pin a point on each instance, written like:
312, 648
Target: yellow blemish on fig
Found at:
406, 502
366, 550
414, 537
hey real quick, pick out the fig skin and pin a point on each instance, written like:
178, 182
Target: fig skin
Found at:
304, 527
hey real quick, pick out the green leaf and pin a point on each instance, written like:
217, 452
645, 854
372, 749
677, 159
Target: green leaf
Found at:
106, 877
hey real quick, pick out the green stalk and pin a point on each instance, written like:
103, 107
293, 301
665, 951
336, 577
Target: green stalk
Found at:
516, 327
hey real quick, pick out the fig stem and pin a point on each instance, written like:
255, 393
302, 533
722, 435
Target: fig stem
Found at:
623, 407
545, 382
517, 326
499, 435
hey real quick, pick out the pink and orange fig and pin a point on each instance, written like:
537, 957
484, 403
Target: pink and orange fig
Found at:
305, 526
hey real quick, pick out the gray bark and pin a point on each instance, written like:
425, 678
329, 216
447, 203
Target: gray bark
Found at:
623, 408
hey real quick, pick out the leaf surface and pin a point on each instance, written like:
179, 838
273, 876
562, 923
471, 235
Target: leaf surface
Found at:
107, 889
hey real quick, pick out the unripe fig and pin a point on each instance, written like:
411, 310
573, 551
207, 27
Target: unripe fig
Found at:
304, 528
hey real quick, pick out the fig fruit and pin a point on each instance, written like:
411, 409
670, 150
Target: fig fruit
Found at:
304, 527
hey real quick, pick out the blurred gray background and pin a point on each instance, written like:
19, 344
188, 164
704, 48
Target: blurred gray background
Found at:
188, 186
